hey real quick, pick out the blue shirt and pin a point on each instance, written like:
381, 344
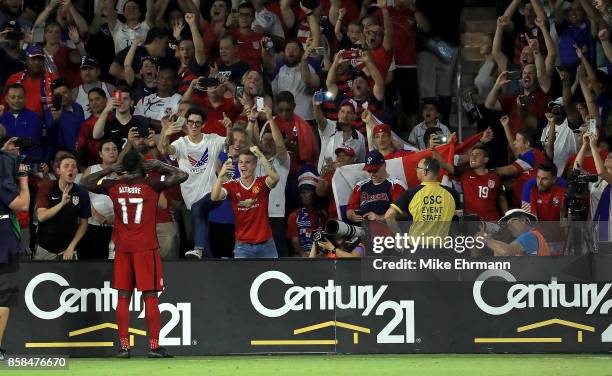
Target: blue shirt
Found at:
65, 132
25, 124
223, 213
580, 35
529, 243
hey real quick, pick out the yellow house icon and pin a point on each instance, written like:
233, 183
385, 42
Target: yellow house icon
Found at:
355, 328
537, 325
89, 329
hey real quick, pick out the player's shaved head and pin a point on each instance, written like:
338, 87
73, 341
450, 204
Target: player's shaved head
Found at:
132, 161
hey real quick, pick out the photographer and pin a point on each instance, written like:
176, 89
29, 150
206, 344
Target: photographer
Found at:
528, 241
338, 247
14, 196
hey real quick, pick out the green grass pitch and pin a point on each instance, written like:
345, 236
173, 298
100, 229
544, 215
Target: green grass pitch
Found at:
336, 365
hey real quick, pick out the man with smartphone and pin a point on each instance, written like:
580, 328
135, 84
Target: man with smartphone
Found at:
219, 101
117, 126
196, 154
21, 122
64, 118
532, 101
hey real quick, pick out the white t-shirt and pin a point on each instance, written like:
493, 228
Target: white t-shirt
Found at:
290, 79
331, 139
155, 107
276, 201
198, 160
565, 144
123, 36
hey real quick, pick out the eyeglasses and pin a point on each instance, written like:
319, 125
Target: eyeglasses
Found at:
422, 168
194, 122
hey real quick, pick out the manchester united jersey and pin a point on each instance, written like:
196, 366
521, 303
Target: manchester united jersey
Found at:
480, 194
135, 207
250, 207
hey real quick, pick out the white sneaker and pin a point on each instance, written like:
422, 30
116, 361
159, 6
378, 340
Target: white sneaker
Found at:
194, 254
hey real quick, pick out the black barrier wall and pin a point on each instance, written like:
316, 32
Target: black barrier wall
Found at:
322, 306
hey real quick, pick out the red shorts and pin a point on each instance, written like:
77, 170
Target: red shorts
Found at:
142, 268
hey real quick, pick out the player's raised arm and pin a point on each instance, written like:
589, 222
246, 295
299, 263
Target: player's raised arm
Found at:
93, 182
172, 175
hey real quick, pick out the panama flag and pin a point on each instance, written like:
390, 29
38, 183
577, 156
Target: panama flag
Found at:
403, 168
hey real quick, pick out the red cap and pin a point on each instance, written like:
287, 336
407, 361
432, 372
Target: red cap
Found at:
382, 128
346, 149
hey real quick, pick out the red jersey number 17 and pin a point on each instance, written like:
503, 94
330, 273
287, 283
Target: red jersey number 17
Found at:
133, 201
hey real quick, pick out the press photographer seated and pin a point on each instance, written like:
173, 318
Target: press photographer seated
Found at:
528, 241
337, 247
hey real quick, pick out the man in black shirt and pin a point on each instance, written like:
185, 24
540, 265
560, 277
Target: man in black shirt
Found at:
231, 67
62, 208
116, 126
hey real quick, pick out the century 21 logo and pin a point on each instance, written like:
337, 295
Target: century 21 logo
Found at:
364, 298
73, 300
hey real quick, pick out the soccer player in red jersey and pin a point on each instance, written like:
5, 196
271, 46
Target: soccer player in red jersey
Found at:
249, 198
137, 261
481, 187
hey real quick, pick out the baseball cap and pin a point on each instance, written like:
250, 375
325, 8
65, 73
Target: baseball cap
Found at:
58, 83
382, 128
515, 213
13, 24
88, 61
374, 160
35, 51
348, 102
346, 149
556, 102
307, 179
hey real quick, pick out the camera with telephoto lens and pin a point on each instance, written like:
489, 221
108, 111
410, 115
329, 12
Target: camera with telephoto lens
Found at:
577, 195
334, 227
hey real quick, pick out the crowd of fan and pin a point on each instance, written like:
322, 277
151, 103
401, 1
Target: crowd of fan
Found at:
316, 86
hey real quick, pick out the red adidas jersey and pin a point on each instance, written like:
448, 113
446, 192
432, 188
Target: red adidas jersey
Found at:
480, 194
250, 207
135, 206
